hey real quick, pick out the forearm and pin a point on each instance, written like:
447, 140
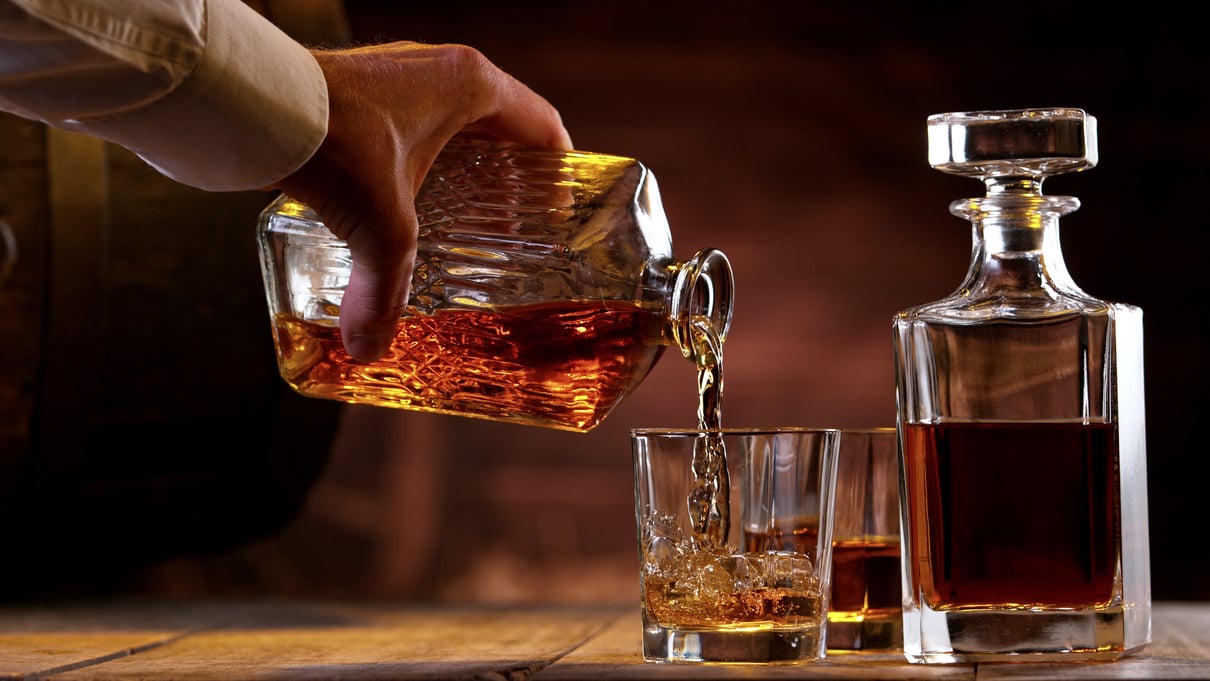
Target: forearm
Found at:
207, 91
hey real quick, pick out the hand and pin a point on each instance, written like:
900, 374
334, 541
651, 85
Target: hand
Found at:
392, 108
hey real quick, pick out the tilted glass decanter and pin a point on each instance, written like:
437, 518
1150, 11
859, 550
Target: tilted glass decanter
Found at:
544, 291
1021, 422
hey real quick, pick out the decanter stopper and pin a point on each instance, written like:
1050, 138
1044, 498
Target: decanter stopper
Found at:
1012, 151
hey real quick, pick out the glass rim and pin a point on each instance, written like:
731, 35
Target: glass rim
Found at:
867, 429
747, 430
990, 115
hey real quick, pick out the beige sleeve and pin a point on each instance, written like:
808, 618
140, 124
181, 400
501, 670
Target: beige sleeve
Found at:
207, 91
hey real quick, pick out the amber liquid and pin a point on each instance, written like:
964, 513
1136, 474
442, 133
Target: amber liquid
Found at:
800, 536
558, 365
751, 607
1012, 514
709, 501
865, 573
769, 585
865, 579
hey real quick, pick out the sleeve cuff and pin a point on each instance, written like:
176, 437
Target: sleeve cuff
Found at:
254, 110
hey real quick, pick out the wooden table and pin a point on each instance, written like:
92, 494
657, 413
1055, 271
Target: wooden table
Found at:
325, 640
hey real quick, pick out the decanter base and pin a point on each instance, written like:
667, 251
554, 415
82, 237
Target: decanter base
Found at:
1002, 635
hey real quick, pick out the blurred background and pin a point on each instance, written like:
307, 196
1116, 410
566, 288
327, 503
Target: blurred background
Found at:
790, 135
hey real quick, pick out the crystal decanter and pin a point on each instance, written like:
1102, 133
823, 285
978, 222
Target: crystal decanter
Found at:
1021, 422
544, 291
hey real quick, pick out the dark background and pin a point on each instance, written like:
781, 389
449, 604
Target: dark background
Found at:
791, 136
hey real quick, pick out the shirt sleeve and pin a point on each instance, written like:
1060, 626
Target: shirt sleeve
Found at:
206, 91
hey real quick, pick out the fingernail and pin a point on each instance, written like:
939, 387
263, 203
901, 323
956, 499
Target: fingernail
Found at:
367, 348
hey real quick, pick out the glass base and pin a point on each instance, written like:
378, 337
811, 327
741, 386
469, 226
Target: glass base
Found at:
1088, 635
871, 633
663, 644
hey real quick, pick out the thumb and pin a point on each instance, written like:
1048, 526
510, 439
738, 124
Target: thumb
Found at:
383, 247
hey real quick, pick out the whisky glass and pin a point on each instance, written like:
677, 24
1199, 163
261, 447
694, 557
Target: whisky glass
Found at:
865, 611
760, 595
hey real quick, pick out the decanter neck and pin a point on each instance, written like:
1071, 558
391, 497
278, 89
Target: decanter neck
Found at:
1016, 249
700, 304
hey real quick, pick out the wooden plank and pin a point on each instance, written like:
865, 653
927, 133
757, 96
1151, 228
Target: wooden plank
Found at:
616, 654
200, 641
37, 640
325, 641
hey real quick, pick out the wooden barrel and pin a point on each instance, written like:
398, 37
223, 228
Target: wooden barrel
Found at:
141, 414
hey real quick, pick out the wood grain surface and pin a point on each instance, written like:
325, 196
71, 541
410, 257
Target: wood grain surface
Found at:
287, 640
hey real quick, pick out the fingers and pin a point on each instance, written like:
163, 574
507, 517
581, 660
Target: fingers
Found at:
391, 110
502, 106
525, 117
